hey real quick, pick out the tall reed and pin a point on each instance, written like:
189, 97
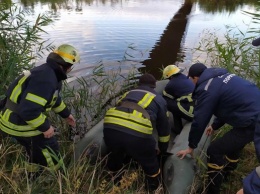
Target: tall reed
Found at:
20, 42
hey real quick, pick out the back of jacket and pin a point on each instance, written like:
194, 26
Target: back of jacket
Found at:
230, 98
155, 105
179, 85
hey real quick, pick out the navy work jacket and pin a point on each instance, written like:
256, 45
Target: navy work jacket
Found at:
179, 85
230, 98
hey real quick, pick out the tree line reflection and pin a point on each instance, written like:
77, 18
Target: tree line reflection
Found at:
206, 5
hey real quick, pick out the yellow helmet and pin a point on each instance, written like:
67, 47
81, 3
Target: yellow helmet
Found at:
170, 70
68, 53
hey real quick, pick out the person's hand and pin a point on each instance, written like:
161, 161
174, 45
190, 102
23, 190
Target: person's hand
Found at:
49, 133
241, 191
209, 130
183, 153
71, 120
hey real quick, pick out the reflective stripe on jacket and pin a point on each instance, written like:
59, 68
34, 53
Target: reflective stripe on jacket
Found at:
185, 99
33, 94
180, 88
131, 121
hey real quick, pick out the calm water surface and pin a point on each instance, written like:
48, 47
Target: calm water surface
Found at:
160, 31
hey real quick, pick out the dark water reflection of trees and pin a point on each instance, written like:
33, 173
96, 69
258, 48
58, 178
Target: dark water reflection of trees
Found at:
65, 4
214, 6
168, 49
211, 6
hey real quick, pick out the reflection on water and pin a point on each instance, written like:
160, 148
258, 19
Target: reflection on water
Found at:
168, 49
218, 6
163, 31
68, 4
205, 5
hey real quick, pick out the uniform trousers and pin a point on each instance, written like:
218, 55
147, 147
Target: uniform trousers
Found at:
142, 150
223, 155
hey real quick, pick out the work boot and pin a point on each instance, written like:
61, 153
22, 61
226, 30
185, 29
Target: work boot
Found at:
152, 183
117, 179
229, 168
215, 179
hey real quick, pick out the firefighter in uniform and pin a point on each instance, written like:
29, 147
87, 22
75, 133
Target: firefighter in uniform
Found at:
128, 129
178, 95
28, 98
232, 100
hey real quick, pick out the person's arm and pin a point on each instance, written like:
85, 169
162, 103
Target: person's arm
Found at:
163, 127
203, 112
31, 108
204, 107
217, 124
60, 107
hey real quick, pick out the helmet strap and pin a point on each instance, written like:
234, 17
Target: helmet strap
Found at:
65, 66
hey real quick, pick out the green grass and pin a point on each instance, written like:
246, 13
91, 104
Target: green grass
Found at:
81, 177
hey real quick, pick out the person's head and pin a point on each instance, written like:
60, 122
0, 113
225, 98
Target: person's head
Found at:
170, 71
148, 80
66, 56
195, 71
256, 42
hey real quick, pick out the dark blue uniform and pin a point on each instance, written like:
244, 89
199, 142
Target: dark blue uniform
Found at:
234, 101
251, 184
178, 95
23, 117
128, 130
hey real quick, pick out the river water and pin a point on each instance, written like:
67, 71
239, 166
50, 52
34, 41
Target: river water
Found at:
155, 33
